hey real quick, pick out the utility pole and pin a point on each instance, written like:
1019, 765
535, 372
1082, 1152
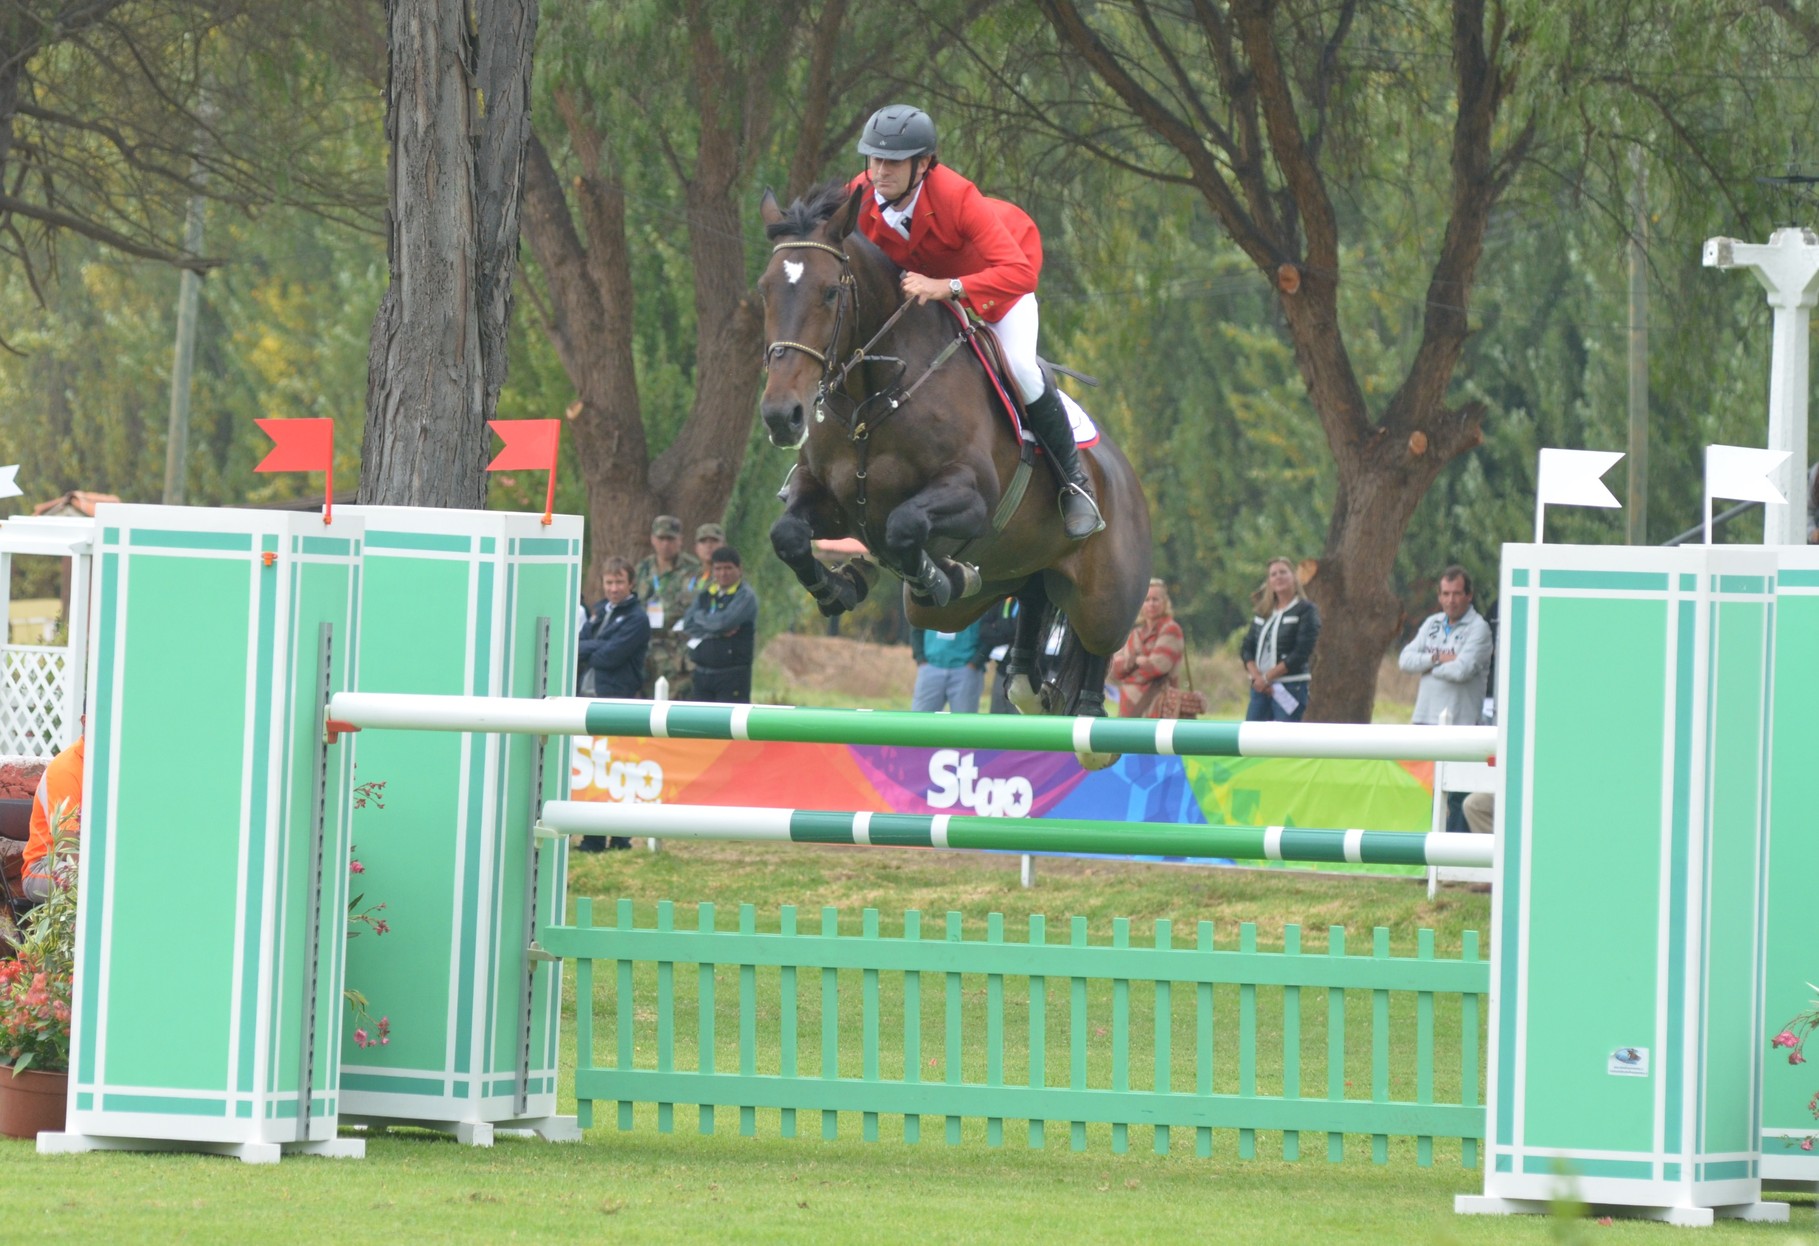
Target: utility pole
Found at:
1788, 268
176, 446
1636, 509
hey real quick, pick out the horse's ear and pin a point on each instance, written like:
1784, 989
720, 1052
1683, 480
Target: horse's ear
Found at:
768, 209
841, 223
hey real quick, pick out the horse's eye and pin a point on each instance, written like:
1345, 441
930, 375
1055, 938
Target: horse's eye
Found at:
829, 294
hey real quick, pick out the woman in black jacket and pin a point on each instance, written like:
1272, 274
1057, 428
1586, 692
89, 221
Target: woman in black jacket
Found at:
1278, 646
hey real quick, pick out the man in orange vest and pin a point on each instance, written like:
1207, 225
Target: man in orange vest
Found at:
59, 788
953, 243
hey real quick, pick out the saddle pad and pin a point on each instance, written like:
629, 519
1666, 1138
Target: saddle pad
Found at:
1086, 433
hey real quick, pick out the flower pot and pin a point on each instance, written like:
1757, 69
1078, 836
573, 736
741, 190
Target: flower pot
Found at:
32, 1102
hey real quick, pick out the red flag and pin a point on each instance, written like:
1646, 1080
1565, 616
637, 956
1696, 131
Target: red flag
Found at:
530, 446
298, 445
303, 446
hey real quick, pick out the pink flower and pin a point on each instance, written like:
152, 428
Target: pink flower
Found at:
359, 1038
1784, 1039
1806, 1144
1794, 1057
354, 867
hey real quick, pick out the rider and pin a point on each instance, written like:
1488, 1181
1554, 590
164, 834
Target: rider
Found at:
954, 243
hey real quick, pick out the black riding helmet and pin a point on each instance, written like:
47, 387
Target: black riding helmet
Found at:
898, 132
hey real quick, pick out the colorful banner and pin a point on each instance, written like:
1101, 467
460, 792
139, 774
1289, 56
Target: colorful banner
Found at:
1218, 791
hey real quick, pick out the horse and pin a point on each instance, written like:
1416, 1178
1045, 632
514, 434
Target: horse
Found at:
901, 441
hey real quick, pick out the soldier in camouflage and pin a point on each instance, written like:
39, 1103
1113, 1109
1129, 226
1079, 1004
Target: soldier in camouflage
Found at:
662, 584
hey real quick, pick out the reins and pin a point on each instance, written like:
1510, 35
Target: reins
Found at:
834, 378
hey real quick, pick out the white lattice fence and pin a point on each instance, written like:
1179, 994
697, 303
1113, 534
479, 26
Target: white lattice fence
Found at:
35, 697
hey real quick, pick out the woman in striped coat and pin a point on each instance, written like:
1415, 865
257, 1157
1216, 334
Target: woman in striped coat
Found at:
1145, 667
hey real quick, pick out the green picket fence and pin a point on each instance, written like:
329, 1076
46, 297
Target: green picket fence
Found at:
956, 1026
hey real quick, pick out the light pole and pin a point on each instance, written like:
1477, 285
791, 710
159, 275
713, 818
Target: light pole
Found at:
1788, 268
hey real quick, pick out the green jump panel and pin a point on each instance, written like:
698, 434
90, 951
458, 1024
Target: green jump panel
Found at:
208, 982
1625, 1043
450, 605
1793, 857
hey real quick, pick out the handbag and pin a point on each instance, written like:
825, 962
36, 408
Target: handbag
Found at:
1182, 702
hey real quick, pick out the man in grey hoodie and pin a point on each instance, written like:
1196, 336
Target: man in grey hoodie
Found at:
1452, 653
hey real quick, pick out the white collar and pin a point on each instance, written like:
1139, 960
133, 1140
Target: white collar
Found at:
898, 218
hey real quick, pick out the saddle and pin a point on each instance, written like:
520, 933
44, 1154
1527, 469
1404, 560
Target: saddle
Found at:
990, 353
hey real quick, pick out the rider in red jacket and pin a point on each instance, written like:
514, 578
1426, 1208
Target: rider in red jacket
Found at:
954, 243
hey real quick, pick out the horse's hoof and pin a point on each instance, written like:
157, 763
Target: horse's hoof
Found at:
1096, 761
1023, 695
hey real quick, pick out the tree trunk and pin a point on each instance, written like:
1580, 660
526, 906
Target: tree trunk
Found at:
457, 103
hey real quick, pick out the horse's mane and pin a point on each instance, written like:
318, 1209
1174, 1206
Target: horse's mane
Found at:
811, 211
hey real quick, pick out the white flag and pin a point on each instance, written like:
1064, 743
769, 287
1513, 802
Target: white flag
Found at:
1574, 477
9, 488
1741, 472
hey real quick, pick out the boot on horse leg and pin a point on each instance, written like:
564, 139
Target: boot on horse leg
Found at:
1021, 687
1080, 516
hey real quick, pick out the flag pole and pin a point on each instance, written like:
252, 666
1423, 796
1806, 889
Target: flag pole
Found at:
549, 498
328, 493
1540, 515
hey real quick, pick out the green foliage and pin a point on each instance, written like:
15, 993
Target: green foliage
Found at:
36, 983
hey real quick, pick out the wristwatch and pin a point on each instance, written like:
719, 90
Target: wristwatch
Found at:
956, 289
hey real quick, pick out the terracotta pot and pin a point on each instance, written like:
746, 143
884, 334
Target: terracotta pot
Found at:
32, 1102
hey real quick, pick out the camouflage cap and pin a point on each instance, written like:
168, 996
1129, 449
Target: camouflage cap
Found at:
666, 525
710, 532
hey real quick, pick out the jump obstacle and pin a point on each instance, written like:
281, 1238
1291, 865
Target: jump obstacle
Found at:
1628, 1005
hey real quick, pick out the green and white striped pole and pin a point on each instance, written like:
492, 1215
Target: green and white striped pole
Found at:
908, 830
685, 720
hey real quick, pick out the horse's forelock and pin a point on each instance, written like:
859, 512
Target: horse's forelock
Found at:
810, 212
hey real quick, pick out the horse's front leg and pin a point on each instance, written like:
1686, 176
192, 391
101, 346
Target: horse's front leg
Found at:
948, 506
810, 512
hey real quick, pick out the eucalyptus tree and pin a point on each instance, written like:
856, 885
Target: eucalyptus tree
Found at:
1280, 115
113, 113
653, 139
457, 118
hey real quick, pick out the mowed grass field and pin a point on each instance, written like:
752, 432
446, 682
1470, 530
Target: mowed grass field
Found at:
648, 1186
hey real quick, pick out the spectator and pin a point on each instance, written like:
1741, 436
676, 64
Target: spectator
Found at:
1145, 667
611, 654
708, 538
999, 633
661, 582
1480, 809
616, 637
1452, 653
1279, 645
950, 668
721, 627
59, 794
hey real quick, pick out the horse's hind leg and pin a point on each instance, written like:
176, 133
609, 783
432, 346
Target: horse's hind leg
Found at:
1022, 686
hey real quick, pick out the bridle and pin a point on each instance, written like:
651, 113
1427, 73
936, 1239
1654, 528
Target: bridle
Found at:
834, 373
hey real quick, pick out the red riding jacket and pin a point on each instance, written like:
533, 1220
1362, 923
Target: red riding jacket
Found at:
955, 231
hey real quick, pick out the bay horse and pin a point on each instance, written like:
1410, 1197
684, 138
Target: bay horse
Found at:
901, 441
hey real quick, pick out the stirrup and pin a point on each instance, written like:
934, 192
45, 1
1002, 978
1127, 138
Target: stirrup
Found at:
1077, 519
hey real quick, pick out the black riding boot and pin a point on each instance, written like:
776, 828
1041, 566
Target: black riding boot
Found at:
1080, 515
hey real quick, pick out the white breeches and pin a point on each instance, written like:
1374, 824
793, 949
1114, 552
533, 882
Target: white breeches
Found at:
1017, 335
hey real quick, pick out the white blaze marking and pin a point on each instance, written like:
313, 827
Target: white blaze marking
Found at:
792, 270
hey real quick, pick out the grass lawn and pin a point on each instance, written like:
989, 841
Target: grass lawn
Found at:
647, 1186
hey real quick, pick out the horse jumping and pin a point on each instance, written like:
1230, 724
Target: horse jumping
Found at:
901, 442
